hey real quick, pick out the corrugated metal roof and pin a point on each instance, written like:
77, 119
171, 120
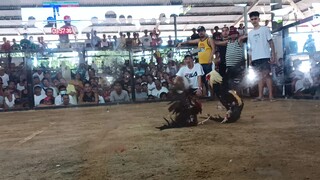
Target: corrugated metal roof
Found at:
208, 13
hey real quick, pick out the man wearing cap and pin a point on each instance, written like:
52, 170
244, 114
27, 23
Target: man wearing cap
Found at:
195, 35
234, 55
64, 38
193, 72
207, 49
216, 35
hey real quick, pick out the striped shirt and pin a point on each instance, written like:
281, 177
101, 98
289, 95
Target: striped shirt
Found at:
234, 54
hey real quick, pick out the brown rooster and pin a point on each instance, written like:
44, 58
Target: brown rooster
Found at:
185, 107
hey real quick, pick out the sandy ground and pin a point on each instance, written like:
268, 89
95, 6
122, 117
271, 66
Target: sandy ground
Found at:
278, 140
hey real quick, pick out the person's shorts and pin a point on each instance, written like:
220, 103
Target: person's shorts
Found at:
261, 64
207, 68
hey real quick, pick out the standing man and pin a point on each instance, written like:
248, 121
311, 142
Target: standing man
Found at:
194, 34
221, 52
216, 35
207, 49
193, 72
260, 43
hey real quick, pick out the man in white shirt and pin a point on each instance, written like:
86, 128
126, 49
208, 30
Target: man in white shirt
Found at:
159, 89
146, 39
39, 73
59, 99
5, 77
260, 43
37, 95
193, 72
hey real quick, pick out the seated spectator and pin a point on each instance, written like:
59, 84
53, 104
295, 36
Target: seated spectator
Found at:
22, 85
172, 68
36, 81
140, 95
49, 100
151, 84
96, 90
163, 96
9, 99
39, 73
165, 84
87, 96
71, 90
118, 94
106, 92
144, 87
46, 84
4, 76
13, 88
47, 74
63, 91
158, 89
66, 100
77, 83
24, 95
37, 95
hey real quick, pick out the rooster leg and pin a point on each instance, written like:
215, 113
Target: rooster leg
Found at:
208, 118
226, 118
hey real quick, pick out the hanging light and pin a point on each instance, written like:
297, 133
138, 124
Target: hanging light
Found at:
129, 19
122, 19
162, 18
31, 21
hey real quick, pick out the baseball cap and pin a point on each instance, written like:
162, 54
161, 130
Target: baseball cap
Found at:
37, 86
201, 28
67, 18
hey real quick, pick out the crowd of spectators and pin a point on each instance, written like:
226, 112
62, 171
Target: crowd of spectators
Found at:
86, 86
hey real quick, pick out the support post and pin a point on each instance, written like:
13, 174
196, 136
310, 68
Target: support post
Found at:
175, 30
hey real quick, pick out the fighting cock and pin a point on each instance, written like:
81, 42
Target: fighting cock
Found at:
185, 107
228, 98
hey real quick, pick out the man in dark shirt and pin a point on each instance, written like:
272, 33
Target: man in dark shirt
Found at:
221, 52
195, 35
216, 35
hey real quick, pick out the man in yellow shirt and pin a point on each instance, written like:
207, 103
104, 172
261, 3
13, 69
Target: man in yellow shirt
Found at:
207, 49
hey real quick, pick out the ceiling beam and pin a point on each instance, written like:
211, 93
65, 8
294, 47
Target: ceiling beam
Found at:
254, 4
299, 12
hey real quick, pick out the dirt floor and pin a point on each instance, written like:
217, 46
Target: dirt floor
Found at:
278, 140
